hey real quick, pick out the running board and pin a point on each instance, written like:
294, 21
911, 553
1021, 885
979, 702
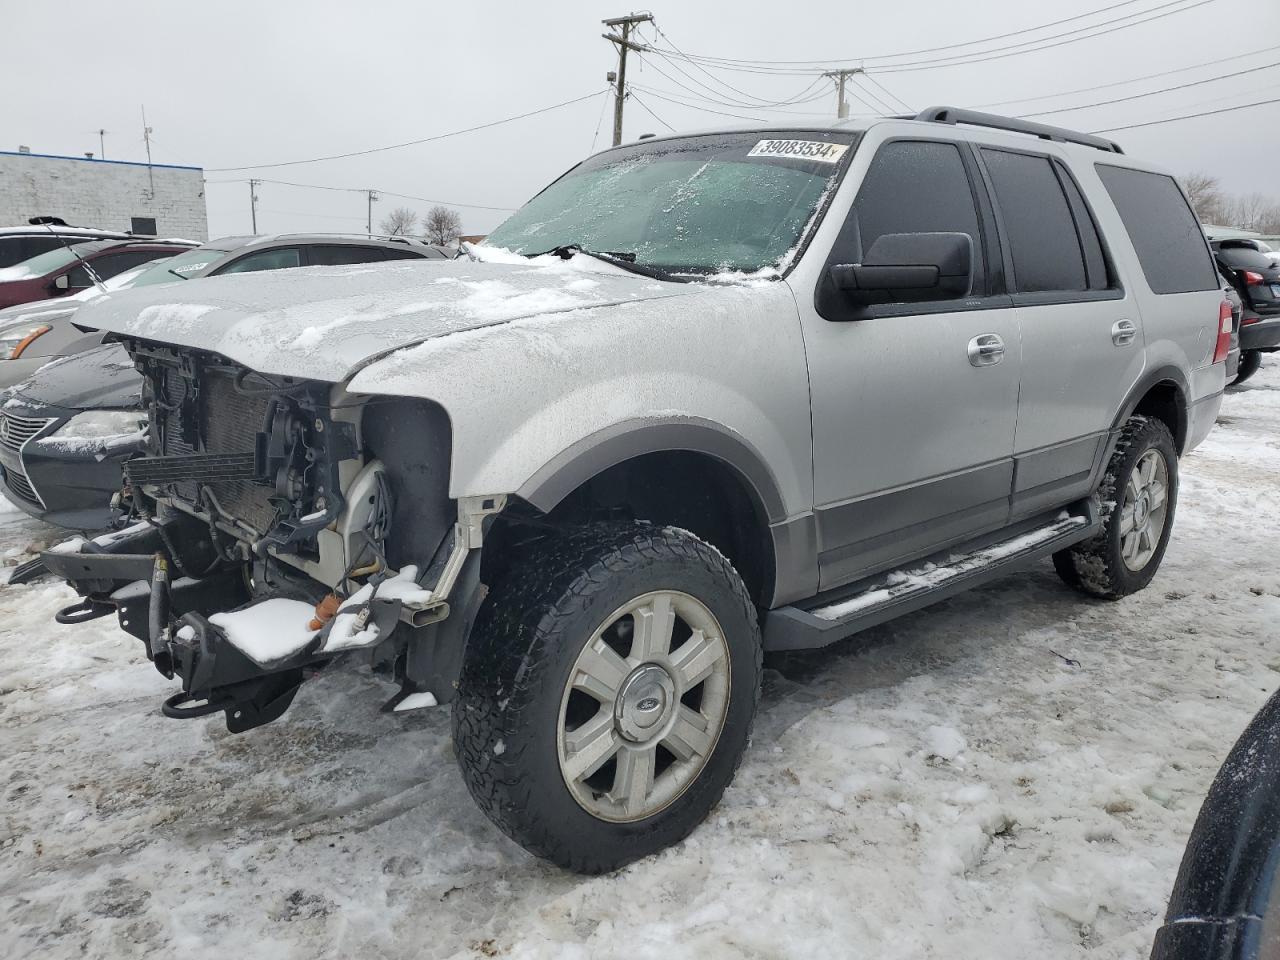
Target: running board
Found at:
838, 614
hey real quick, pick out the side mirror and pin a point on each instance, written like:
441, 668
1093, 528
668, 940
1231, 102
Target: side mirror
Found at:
62, 282
909, 268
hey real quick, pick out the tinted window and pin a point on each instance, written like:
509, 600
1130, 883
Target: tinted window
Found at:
914, 186
16, 249
1037, 223
1095, 260
108, 266
1244, 258
335, 254
264, 260
1164, 231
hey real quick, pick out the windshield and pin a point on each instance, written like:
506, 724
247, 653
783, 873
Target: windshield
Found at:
181, 267
701, 205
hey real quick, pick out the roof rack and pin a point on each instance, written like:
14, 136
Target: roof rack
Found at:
974, 118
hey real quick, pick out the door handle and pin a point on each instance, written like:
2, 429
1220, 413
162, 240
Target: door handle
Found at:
1123, 332
985, 349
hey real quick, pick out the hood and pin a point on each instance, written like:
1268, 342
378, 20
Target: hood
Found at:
323, 323
103, 378
38, 311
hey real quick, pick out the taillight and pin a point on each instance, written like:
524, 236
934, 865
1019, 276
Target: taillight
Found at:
1253, 279
1223, 345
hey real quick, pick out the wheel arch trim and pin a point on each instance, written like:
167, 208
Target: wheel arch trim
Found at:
620, 442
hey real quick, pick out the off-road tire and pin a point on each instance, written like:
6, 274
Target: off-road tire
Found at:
1096, 566
1250, 362
522, 649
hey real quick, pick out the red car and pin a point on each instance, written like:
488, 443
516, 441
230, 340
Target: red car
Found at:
63, 270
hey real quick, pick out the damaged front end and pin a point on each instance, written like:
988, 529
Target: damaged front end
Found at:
280, 525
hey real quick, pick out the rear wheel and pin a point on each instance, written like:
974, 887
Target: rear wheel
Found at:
608, 694
1137, 498
1250, 361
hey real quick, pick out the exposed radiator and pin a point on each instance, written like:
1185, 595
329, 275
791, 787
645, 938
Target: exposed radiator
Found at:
229, 422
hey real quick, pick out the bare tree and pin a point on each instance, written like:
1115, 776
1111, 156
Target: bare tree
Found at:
400, 222
1205, 195
442, 225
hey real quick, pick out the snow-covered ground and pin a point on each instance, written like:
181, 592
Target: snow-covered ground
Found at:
1012, 773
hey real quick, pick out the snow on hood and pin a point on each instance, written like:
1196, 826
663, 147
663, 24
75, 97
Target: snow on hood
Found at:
322, 323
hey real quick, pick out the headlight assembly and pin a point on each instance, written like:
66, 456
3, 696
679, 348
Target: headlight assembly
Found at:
16, 339
102, 425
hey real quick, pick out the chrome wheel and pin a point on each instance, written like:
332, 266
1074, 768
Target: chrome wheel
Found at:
1144, 510
644, 706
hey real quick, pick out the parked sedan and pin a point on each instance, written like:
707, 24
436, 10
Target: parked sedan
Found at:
70, 269
1256, 278
66, 429
34, 333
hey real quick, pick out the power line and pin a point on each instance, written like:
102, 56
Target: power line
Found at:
1188, 116
1011, 51
874, 82
760, 101
718, 99
667, 96
645, 107
1153, 93
1120, 83
912, 53
407, 143
1158, 12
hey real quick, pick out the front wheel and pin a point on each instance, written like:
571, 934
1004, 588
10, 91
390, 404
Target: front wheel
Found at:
1250, 362
1137, 498
608, 693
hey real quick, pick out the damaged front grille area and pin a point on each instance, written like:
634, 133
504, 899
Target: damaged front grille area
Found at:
258, 454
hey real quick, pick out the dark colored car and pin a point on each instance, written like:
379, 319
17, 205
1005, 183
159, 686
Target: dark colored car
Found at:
65, 431
1256, 277
63, 270
1225, 904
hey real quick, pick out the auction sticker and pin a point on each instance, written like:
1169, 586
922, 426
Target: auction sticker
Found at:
800, 150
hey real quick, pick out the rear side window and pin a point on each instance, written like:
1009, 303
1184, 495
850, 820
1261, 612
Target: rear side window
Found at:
1038, 222
14, 250
916, 186
335, 254
1165, 233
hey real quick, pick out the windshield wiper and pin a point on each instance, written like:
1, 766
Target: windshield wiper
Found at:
180, 276
624, 259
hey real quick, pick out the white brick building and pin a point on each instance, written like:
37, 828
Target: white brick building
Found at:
108, 194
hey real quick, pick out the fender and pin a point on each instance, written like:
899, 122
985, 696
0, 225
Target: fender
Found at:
1150, 378
628, 439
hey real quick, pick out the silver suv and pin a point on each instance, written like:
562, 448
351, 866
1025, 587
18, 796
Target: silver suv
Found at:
703, 397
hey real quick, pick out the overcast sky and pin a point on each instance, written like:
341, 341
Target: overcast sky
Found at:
232, 83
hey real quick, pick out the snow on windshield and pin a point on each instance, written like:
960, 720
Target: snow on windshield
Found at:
700, 205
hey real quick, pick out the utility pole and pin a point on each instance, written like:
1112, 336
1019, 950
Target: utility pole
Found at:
619, 79
368, 223
253, 204
842, 108
146, 135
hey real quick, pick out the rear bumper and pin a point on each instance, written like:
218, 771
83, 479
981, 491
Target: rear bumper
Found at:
1201, 417
1260, 335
